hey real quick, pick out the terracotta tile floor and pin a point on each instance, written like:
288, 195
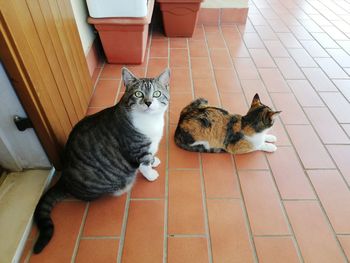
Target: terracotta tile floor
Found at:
289, 206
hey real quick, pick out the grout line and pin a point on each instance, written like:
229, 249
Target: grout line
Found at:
252, 169
187, 235
190, 68
271, 173
95, 85
314, 39
313, 128
233, 59
343, 234
99, 237
98, 77
224, 198
307, 176
166, 181
245, 211
302, 108
123, 231
145, 199
203, 192
77, 242
320, 140
326, 217
163, 58
211, 64
313, 58
299, 200
166, 194
205, 210
245, 214
181, 48
275, 236
284, 211
320, 13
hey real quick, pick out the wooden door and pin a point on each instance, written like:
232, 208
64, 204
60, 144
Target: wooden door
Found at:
42, 53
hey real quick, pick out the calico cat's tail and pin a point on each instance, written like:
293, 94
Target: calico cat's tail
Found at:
197, 103
42, 216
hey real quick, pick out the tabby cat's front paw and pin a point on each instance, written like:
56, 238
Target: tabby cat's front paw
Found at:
156, 162
270, 138
148, 172
268, 147
151, 175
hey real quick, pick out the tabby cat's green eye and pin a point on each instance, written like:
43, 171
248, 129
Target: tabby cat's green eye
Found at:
157, 94
138, 94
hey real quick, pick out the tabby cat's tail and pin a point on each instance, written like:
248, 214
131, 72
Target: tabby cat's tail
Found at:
42, 216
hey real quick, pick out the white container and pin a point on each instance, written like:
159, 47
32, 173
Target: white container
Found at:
117, 8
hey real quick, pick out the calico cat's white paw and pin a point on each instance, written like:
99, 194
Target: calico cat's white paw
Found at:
270, 138
156, 162
268, 147
149, 173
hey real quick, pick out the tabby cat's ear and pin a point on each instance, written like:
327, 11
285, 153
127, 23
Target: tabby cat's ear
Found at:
256, 100
274, 114
128, 77
164, 77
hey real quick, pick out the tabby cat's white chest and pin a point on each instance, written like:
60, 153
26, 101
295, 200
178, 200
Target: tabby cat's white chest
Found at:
151, 125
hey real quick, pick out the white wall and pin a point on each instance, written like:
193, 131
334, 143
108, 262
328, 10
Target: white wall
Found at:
86, 31
18, 150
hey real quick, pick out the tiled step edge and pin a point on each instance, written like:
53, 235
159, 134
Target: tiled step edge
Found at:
19, 195
217, 12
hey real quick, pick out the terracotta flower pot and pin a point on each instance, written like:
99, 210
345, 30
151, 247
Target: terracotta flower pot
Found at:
179, 16
124, 40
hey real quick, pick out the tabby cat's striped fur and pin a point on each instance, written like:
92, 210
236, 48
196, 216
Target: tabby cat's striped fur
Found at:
203, 128
105, 150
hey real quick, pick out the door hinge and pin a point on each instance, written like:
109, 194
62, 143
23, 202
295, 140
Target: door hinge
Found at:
22, 123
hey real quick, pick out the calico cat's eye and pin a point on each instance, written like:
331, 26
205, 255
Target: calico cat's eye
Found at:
157, 94
138, 94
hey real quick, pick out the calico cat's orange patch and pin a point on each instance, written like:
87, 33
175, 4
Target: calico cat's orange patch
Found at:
204, 128
241, 146
216, 131
248, 130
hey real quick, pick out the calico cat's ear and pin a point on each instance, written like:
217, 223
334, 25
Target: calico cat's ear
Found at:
128, 77
256, 100
274, 114
164, 77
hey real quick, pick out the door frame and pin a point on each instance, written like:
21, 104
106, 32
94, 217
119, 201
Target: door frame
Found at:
25, 90
43, 55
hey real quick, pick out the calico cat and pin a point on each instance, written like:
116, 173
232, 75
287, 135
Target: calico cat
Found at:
105, 150
203, 128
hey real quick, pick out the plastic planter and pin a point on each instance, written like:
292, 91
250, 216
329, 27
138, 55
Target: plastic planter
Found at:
124, 40
179, 16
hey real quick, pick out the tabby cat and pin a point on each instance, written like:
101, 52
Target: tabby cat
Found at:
105, 150
203, 128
